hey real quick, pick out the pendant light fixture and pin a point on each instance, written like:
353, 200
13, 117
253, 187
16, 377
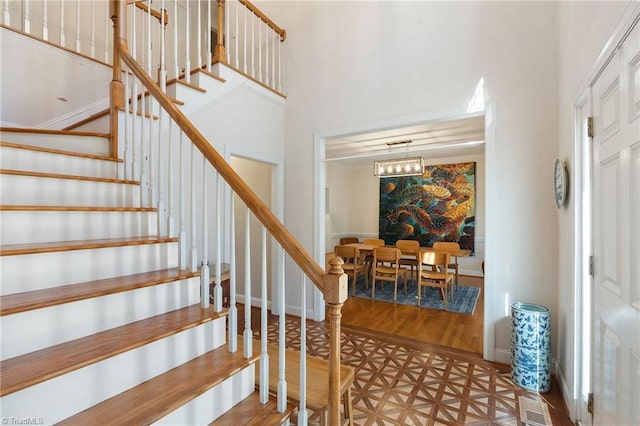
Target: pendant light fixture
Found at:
407, 166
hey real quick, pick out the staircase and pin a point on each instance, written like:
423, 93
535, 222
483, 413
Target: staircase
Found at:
98, 322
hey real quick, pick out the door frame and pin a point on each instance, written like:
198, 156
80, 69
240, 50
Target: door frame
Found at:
461, 112
582, 212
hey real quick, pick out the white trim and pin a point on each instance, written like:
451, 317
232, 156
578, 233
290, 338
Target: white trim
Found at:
491, 317
579, 98
405, 121
75, 116
502, 355
564, 387
319, 177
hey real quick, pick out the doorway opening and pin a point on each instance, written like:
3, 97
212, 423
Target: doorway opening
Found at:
350, 208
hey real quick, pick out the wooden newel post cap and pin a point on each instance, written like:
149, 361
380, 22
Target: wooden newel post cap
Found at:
335, 266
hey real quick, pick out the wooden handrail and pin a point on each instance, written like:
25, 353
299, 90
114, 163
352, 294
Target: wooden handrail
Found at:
140, 4
297, 252
332, 284
265, 19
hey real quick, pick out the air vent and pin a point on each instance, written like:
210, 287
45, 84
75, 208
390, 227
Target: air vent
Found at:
534, 412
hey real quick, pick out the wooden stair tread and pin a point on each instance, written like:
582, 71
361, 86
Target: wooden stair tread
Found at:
76, 208
16, 249
155, 398
60, 152
54, 132
30, 369
204, 71
37, 299
72, 177
317, 375
184, 83
250, 411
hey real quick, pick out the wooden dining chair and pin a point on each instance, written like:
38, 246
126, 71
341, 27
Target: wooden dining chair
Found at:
368, 258
386, 267
410, 250
433, 271
450, 248
349, 240
352, 264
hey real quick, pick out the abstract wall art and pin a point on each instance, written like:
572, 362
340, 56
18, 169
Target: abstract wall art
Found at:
437, 206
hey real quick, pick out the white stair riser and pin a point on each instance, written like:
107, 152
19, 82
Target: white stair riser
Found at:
25, 227
207, 83
30, 331
215, 402
28, 272
64, 396
46, 162
40, 191
84, 144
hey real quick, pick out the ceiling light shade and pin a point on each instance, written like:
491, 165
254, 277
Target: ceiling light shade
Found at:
409, 166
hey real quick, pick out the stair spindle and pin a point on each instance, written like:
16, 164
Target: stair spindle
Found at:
264, 356
233, 309
282, 382
302, 408
248, 335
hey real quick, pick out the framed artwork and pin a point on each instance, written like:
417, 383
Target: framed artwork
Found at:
437, 206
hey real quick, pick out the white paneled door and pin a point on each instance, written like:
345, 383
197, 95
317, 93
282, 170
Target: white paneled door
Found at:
616, 237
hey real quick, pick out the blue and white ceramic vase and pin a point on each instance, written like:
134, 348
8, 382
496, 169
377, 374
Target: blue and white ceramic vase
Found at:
531, 346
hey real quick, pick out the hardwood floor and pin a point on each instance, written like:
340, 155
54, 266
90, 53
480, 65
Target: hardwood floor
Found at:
421, 366
459, 331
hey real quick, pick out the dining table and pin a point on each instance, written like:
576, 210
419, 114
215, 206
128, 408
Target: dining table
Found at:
368, 248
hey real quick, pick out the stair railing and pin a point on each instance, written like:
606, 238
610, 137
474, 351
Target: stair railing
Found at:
187, 179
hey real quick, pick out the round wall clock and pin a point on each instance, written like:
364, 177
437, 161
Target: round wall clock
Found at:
560, 182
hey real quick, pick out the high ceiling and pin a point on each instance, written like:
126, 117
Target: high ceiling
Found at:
434, 139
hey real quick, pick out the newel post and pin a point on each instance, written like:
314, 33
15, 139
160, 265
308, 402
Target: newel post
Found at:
117, 11
219, 53
336, 288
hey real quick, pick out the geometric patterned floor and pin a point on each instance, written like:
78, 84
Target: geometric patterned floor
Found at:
400, 382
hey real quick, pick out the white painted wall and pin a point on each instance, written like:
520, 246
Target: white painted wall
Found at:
584, 29
349, 64
355, 199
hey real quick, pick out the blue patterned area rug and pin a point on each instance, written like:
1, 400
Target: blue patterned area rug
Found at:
464, 298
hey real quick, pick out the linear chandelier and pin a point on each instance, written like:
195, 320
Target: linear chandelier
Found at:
410, 166
407, 166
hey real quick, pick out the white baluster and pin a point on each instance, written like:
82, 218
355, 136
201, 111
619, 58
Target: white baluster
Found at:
45, 20
302, 410
78, 26
210, 42
204, 273
93, 29
264, 355
144, 154
176, 64
233, 309
253, 45
199, 38
259, 77
128, 160
282, 383
159, 175
171, 222
227, 32
248, 337
279, 66
237, 35
26, 23
187, 62
148, 49
244, 41
7, 14
163, 53
62, 36
182, 238
107, 24
217, 296
194, 250
273, 59
266, 55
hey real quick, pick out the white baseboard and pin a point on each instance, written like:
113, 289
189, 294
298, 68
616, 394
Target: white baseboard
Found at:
569, 401
502, 355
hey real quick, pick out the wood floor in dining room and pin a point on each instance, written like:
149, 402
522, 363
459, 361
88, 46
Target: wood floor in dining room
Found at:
459, 331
